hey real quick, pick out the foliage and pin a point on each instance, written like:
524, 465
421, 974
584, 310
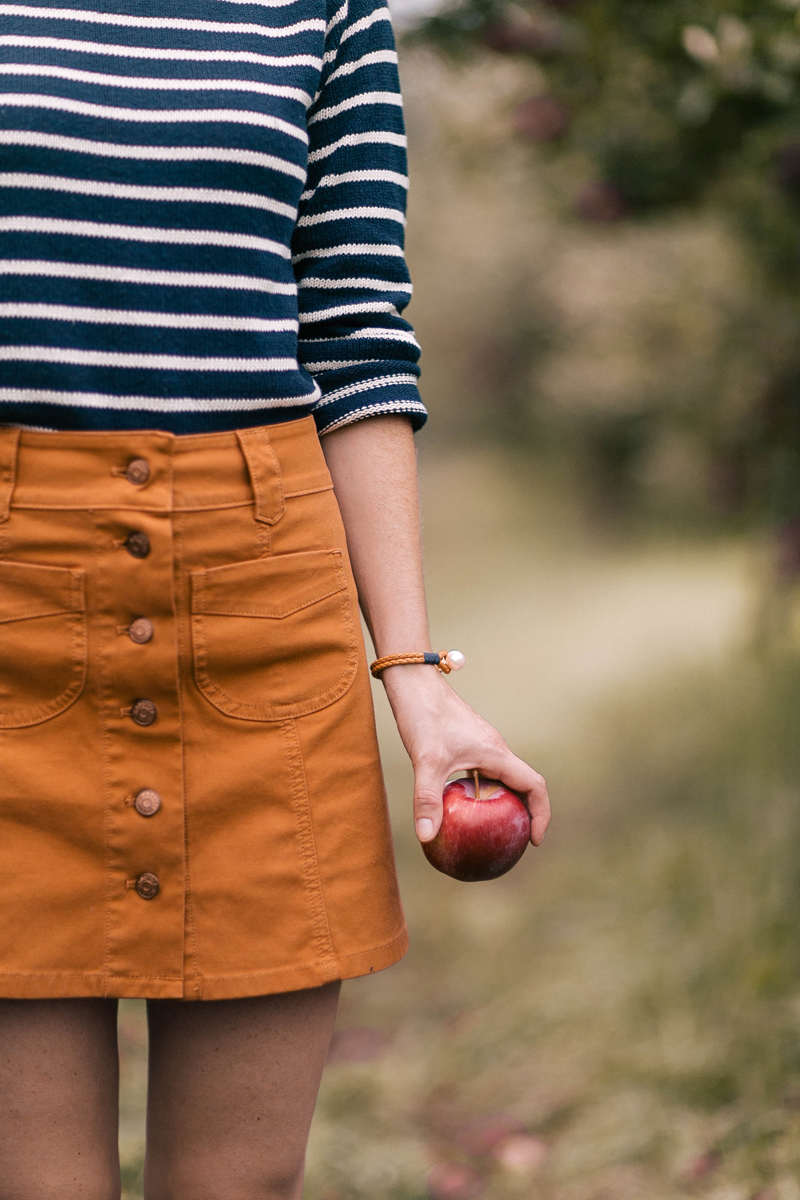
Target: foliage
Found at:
640, 108
668, 101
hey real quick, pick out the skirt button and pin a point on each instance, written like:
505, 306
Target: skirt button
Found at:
137, 544
137, 471
147, 802
147, 885
144, 712
140, 630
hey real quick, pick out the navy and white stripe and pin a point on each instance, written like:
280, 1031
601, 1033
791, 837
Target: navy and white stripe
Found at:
202, 208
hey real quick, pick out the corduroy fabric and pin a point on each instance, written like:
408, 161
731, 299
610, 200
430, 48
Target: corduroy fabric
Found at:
202, 209
271, 846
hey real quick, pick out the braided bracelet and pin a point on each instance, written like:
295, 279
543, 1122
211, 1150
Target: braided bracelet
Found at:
447, 661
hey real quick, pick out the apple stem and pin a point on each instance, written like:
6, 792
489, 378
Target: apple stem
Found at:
477, 779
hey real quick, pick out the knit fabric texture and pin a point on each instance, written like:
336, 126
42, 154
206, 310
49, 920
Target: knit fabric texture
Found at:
202, 210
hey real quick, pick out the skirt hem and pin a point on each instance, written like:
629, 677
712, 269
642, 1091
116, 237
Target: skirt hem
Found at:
76, 985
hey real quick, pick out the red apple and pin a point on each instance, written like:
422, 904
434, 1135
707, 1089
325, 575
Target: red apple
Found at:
484, 831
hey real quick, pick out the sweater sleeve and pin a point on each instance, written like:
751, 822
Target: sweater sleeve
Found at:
348, 257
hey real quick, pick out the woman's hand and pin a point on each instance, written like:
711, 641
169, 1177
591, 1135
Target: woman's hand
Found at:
442, 734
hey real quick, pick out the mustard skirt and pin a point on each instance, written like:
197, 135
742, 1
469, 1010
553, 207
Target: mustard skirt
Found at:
191, 800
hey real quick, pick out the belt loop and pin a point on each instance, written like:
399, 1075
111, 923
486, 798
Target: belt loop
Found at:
265, 474
9, 445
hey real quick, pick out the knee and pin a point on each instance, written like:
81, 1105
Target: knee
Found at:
217, 1180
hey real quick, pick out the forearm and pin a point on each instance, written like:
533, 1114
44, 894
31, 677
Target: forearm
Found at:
373, 464
374, 469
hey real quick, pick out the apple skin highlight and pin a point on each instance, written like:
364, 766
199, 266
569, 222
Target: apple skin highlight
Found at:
481, 837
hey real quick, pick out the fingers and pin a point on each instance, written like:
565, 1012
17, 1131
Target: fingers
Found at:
539, 807
429, 781
500, 763
447, 737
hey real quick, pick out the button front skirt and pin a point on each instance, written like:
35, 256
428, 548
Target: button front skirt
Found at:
191, 801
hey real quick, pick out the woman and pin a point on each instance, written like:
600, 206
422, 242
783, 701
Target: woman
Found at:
202, 272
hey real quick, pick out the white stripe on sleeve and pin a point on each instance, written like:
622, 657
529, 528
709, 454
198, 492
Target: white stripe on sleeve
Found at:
366, 284
366, 98
344, 310
347, 214
380, 14
366, 60
359, 139
390, 250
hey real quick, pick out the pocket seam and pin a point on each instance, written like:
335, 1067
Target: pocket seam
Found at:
77, 600
35, 616
200, 577
260, 616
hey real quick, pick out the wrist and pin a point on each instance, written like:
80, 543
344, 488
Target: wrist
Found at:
411, 681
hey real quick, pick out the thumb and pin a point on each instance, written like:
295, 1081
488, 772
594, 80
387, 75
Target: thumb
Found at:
428, 786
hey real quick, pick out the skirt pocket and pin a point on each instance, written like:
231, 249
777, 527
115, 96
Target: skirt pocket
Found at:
42, 642
274, 637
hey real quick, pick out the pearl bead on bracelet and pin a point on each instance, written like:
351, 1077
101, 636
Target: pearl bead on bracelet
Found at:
455, 660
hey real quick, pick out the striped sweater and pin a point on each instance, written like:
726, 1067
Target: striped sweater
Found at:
201, 215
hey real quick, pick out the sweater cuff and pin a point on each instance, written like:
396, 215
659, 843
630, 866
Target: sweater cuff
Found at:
380, 396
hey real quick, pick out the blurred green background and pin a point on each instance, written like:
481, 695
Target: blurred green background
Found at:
604, 240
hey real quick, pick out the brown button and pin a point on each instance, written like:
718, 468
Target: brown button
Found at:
147, 885
138, 544
137, 470
147, 802
140, 630
144, 712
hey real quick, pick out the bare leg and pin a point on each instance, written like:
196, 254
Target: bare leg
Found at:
233, 1084
59, 1078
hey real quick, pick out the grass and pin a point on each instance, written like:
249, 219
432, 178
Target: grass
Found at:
629, 996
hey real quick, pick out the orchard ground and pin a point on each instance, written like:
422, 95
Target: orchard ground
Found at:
620, 1015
